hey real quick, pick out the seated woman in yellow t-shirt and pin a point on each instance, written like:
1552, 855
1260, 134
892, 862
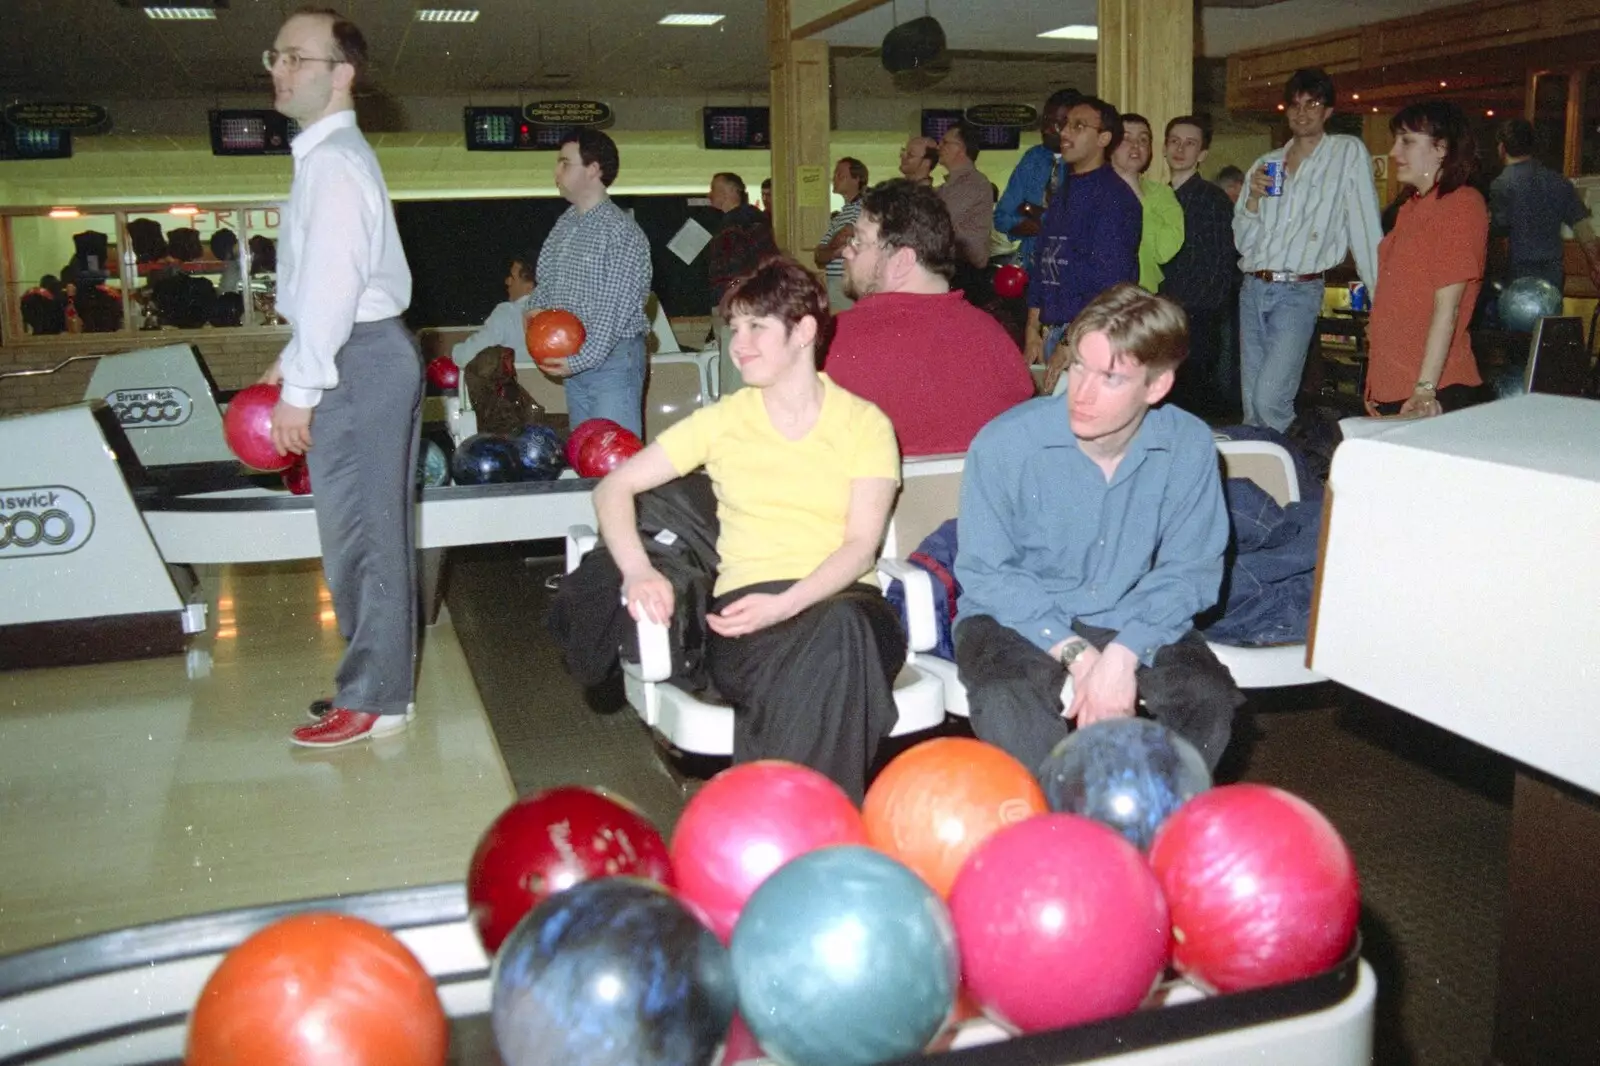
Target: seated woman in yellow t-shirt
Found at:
803, 645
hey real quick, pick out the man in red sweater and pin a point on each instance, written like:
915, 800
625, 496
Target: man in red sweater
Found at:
937, 366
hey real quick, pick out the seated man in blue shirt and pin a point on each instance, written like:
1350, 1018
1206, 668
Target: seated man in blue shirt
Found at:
1092, 532
1090, 237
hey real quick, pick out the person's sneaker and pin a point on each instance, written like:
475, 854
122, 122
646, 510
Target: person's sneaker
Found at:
319, 709
342, 726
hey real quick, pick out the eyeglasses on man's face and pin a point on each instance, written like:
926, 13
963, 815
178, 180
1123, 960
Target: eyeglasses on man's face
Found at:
1078, 126
291, 60
1306, 106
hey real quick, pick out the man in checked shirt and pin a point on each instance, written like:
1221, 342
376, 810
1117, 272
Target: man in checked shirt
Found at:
596, 264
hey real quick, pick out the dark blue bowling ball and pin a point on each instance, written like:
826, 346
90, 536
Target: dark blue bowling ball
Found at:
1127, 773
1526, 300
611, 972
540, 452
844, 957
433, 466
485, 459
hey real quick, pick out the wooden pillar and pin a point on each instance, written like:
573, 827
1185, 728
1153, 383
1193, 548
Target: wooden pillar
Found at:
1145, 60
1375, 134
801, 118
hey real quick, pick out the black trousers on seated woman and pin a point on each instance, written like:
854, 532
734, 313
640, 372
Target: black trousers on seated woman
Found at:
817, 689
1014, 690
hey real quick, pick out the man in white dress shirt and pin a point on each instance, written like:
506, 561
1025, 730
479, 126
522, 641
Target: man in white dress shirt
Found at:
1328, 208
506, 326
353, 372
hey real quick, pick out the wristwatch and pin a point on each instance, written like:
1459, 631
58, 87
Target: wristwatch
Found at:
1071, 650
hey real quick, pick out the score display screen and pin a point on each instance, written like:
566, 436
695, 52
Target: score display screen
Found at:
731, 128
251, 133
503, 129
997, 138
19, 143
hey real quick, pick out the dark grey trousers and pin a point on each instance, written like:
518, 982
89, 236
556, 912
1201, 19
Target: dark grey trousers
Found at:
363, 462
1014, 690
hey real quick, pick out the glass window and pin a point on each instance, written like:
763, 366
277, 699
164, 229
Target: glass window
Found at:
65, 274
1550, 118
258, 227
184, 265
1590, 163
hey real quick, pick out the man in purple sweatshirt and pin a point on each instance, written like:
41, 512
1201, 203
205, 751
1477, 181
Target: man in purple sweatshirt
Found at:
1090, 237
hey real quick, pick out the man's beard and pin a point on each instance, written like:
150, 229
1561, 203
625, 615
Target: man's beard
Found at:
857, 293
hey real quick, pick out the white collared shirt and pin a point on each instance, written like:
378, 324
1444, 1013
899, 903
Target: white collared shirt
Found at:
339, 256
1329, 207
506, 327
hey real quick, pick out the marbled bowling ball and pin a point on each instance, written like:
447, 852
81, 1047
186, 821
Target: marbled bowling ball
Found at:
1525, 301
1128, 773
433, 465
613, 972
485, 459
540, 452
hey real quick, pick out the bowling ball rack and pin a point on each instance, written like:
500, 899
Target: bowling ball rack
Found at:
124, 997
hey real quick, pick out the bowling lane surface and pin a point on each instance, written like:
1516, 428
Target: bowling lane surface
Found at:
132, 792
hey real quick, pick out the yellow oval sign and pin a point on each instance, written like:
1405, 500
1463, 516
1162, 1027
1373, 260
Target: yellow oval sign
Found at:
57, 116
567, 113
1002, 115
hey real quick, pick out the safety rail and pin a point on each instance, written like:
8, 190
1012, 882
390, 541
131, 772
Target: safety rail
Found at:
40, 371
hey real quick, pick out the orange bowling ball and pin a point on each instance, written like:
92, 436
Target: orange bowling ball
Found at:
935, 803
554, 334
315, 990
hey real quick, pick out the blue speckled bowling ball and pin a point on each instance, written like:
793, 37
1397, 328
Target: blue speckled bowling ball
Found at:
1127, 773
433, 466
1526, 300
612, 972
844, 957
540, 451
485, 459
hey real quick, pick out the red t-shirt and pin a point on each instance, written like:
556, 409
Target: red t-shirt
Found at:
937, 366
1435, 243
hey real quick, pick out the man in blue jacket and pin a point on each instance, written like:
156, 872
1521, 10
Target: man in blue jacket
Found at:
1092, 532
1038, 174
1089, 240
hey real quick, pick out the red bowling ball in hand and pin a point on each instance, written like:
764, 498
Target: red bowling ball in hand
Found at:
605, 449
554, 334
547, 843
443, 374
1010, 282
1261, 886
247, 427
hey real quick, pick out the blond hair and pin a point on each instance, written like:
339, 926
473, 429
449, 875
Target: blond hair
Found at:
1147, 329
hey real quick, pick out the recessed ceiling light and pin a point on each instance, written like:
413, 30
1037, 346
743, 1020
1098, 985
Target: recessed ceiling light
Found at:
447, 14
1073, 33
690, 20
65, 212
173, 13
183, 209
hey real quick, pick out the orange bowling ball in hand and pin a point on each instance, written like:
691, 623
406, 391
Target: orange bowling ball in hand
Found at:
317, 989
554, 334
935, 803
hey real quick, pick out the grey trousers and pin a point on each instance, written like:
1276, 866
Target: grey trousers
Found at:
363, 461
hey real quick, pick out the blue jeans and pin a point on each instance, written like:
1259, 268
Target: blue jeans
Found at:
614, 389
1276, 322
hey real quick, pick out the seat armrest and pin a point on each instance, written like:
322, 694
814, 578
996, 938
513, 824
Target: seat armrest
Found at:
655, 651
581, 540
922, 630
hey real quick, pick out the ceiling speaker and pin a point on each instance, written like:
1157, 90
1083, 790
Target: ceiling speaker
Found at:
913, 45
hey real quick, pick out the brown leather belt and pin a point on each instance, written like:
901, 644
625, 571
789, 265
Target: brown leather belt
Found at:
1281, 276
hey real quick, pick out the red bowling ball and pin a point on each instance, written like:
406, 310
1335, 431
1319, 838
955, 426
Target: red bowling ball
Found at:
1010, 282
582, 432
554, 334
443, 374
606, 449
247, 427
1262, 888
1060, 923
547, 843
744, 824
297, 479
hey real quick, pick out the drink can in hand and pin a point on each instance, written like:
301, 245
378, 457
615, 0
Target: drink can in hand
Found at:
1273, 168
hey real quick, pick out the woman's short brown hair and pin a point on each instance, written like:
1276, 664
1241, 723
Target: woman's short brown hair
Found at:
1150, 330
783, 289
1443, 121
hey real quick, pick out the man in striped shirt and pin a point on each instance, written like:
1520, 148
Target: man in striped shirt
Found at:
849, 181
1328, 208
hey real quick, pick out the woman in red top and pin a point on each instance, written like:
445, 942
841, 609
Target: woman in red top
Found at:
1430, 268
